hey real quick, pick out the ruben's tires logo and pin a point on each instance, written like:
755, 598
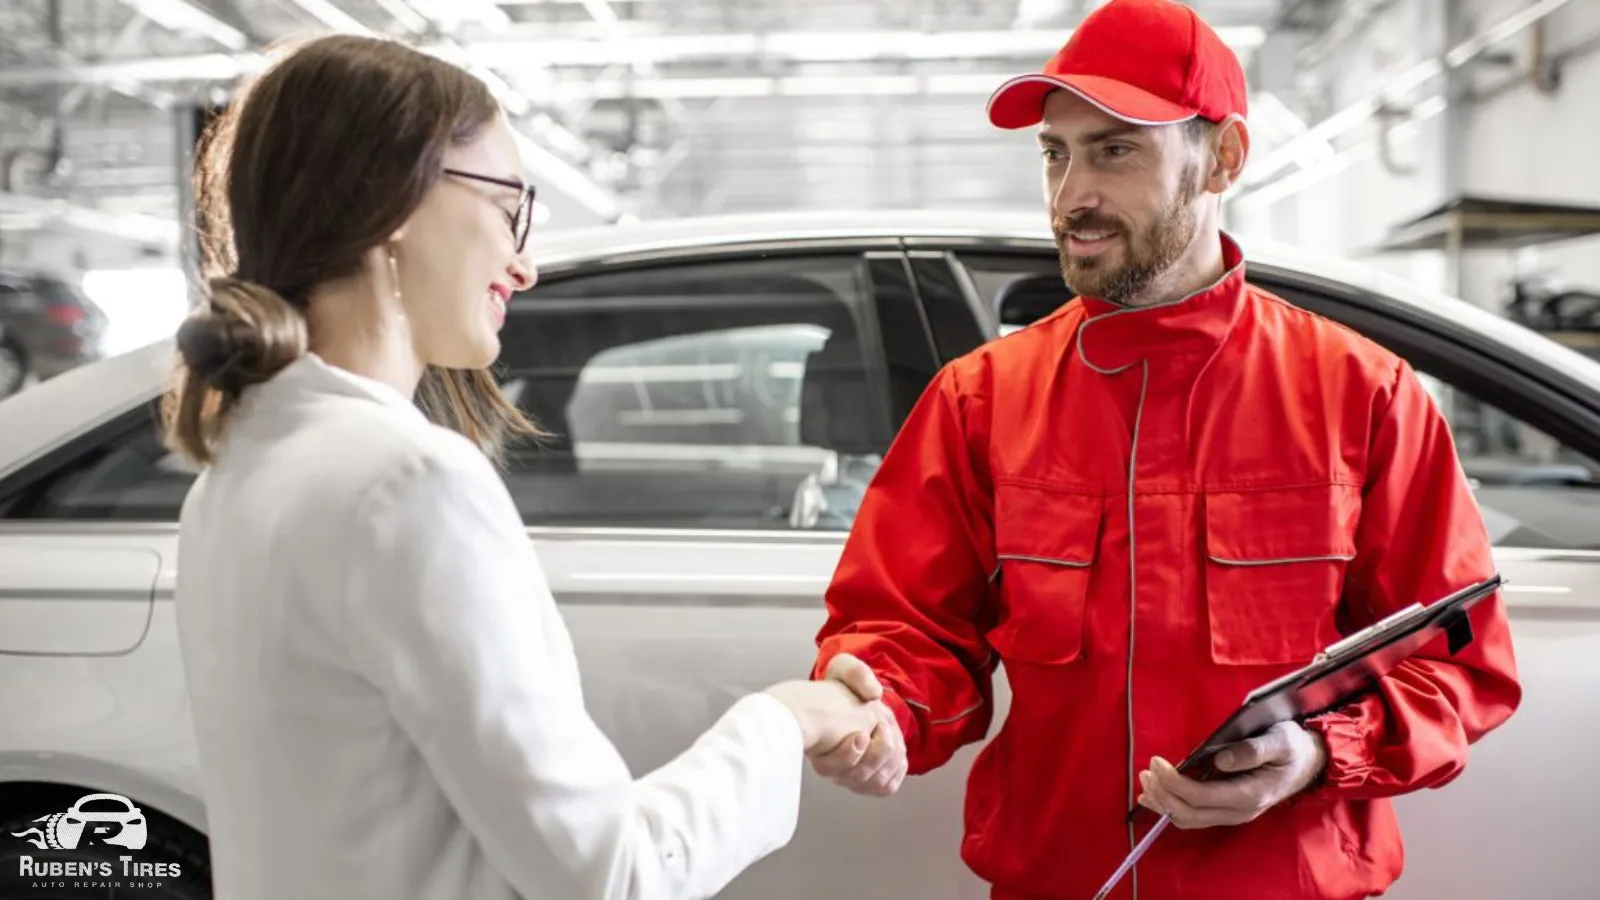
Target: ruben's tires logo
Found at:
97, 825
94, 821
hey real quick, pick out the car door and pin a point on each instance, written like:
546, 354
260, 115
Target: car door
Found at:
91, 682
70, 588
713, 421
1528, 436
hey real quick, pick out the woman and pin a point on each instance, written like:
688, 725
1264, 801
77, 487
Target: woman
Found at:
385, 697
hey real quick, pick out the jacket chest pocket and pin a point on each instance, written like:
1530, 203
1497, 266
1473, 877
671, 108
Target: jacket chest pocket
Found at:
1046, 542
1274, 571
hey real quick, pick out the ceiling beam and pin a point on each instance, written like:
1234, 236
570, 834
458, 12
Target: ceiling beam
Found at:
1394, 86
186, 18
798, 47
20, 212
332, 16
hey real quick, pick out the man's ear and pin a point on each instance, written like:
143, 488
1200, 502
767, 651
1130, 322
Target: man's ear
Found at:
1230, 149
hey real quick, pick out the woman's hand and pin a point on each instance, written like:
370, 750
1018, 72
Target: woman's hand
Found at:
830, 714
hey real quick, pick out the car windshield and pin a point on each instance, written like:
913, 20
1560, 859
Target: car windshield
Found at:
103, 805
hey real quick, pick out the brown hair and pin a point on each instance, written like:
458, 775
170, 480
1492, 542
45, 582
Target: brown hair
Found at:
318, 161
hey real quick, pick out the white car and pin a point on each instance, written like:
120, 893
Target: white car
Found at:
721, 392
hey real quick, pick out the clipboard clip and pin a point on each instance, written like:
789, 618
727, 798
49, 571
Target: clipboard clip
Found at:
1387, 623
1458, 631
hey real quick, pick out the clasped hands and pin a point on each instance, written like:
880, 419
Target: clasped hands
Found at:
1261, 773
851, 735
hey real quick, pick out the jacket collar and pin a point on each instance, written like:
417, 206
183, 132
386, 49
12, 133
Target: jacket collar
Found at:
1114, 337
311, 376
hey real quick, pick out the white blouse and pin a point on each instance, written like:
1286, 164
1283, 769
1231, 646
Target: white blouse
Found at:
385, 696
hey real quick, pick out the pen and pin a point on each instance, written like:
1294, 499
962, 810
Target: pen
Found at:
1133, 857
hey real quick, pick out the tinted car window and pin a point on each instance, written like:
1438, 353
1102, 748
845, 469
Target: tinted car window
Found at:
124, 474
700, 396
1535, 491
693, 396
1019, 288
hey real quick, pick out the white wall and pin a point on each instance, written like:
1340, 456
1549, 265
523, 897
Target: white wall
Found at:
1517, 144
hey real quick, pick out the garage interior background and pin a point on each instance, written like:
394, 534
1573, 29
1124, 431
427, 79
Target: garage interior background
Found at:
1427, 137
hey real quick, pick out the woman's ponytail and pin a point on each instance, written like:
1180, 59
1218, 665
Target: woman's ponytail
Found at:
243, 335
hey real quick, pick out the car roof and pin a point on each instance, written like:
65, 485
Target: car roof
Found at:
79, 400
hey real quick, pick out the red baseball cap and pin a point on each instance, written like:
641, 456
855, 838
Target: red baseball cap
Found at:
1149, 62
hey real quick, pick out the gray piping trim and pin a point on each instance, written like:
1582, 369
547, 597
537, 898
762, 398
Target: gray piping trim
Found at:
1131, 310
1133, 603
956, 718
1049, 561
1221, 561
1045, 79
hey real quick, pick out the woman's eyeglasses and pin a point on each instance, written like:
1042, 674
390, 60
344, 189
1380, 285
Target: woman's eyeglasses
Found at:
522, 222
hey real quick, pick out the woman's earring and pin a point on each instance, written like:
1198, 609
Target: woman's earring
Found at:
394, 276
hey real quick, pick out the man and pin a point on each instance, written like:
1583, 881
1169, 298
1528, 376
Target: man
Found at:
1166, 493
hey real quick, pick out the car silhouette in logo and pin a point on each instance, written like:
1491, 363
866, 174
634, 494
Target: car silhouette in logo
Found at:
95, 820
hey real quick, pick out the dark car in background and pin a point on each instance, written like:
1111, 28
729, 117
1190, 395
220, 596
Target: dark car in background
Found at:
47, 326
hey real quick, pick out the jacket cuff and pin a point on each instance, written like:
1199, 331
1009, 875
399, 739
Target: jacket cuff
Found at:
1351, 742
902, 714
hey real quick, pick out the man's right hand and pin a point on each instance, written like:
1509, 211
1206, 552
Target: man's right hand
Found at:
874, 768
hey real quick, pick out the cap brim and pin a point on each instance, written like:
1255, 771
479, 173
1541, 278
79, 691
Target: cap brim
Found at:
1019, 102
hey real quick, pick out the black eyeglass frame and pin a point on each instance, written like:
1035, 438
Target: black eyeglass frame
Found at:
522, 223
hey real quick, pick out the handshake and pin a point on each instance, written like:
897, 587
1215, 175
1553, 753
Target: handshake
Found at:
851, 736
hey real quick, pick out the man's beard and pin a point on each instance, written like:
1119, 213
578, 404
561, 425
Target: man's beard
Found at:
1147, 255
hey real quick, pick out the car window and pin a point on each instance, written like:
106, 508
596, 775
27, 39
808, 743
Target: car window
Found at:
16, 294
123, 473
745, 395
1535, 492
104, 805
707, 395
1018, 288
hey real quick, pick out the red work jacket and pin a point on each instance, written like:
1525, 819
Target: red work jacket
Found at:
1143, 514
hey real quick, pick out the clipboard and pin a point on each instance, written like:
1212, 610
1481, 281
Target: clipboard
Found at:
1335, 676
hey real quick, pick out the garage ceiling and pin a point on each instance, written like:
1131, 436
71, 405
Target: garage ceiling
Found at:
646, 108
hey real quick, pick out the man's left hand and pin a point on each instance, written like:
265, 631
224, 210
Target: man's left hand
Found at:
1264, 771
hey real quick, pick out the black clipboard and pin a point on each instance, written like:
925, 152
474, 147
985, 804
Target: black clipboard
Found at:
1345, 670
1336, 676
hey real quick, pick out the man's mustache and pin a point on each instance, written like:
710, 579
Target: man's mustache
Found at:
1084, 223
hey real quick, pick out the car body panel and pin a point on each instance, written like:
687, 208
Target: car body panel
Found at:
672, 625
62, 598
